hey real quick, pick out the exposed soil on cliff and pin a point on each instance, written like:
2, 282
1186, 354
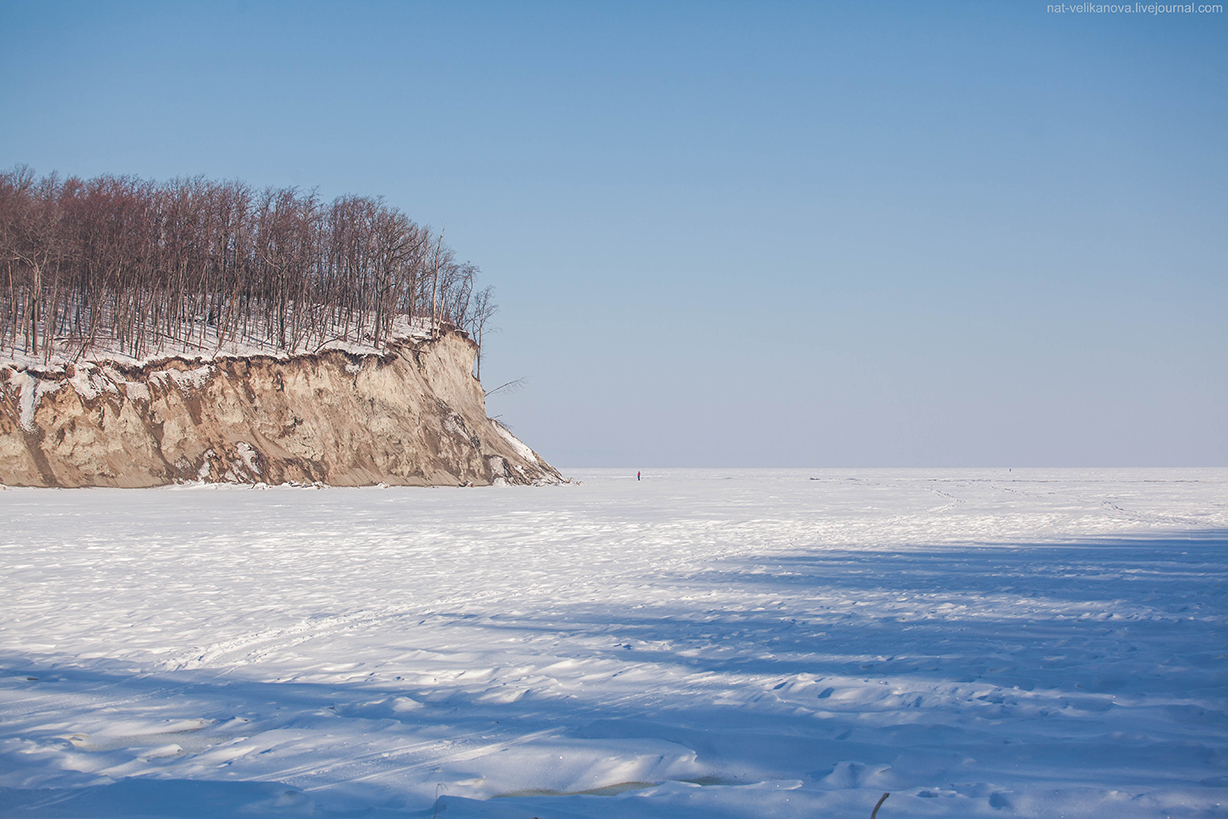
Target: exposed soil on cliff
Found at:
411, 415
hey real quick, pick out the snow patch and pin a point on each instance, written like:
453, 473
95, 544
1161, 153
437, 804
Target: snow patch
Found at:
31, 389
248, 457
516, 444
186, 380
137, 391
90, 382
206, 466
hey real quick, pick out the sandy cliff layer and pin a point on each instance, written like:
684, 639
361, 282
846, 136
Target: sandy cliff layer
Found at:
413, 415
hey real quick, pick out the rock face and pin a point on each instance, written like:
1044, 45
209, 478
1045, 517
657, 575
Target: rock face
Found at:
413, 415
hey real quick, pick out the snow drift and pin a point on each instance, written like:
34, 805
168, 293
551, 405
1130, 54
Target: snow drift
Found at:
411, 414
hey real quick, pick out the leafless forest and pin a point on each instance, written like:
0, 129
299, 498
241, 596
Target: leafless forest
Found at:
138, 266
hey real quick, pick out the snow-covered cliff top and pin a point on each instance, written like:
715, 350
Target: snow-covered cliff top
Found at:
206, 348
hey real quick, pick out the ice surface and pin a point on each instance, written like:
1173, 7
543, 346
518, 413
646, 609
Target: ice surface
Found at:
708, 643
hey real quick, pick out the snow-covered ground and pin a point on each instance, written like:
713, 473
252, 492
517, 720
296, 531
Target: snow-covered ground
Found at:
702, 643
205, 346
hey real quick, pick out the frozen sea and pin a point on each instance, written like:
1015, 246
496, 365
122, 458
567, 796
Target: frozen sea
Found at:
701, 643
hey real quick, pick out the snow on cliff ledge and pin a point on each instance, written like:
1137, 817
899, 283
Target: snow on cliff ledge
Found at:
411, 414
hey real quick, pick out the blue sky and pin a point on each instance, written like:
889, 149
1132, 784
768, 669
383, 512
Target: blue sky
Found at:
731, 234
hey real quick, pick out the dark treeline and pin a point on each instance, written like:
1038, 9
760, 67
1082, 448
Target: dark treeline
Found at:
136, 265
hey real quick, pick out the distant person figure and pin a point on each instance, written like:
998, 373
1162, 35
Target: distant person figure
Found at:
637, 476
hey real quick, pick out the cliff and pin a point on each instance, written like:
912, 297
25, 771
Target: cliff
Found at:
412, 414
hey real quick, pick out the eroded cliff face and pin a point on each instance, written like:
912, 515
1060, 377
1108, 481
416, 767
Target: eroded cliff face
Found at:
413, 415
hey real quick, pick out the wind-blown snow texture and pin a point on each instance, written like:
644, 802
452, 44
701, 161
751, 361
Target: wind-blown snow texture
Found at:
699, 644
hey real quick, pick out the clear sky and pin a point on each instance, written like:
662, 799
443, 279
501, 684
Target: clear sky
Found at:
730, 234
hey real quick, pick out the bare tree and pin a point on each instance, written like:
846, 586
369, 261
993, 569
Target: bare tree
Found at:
140, 264
484, 309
